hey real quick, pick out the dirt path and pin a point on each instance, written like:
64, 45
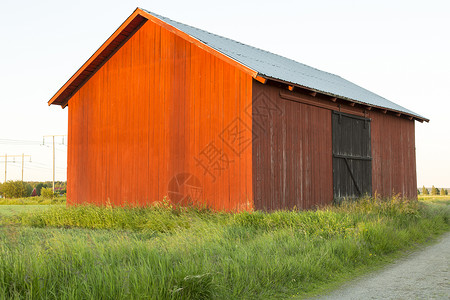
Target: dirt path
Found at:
424, 274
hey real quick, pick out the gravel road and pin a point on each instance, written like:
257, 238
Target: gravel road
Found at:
424, 274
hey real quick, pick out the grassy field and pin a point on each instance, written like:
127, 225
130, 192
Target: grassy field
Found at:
39, 200
13, 210
171, 253
435, 199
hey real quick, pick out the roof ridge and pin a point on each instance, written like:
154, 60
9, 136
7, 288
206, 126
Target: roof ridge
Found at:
162, 18
253, 60
280, 66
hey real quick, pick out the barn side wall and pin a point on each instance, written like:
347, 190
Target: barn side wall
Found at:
160, 118
394, 156
292, 158
292, 150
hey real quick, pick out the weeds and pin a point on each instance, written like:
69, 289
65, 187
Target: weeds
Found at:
38, 200
164, 252
154, 219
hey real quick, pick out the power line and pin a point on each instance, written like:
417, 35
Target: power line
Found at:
58, 171
42, 164
14, 142
38, 167
19, 142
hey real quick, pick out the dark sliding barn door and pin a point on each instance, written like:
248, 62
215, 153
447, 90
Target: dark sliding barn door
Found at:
352, 161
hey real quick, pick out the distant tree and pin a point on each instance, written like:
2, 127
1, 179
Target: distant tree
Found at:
14, 189
434, 191
442, 192
39, 187
446, 191
418, 192
29, 189
424, 191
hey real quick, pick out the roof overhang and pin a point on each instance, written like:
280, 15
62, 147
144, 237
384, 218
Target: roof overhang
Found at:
290, 86
112, 44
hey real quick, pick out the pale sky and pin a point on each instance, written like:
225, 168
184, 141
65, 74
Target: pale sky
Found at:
397, 49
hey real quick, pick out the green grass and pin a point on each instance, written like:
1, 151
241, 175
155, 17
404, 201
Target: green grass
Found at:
14, 210
39, 200
438, 199
162, 252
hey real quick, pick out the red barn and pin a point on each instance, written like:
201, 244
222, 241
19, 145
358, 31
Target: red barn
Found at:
166, 109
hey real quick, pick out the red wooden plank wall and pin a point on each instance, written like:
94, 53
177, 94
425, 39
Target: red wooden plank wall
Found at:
393, 156
292, 152
292, 158
162, 117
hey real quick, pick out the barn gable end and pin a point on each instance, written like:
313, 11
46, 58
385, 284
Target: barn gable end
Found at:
158, 119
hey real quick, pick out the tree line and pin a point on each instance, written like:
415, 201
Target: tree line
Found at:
23, 189
434, 191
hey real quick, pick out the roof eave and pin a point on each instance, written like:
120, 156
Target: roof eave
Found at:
95, 61
263, 79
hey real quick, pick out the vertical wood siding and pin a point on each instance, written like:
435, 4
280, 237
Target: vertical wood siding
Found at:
292, 153
162, 117
159, 113
394, 156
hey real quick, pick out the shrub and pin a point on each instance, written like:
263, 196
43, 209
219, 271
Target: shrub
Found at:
47, 193
14, 189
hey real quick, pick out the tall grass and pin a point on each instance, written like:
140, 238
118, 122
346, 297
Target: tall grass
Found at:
38, 200
165, 253
160, 218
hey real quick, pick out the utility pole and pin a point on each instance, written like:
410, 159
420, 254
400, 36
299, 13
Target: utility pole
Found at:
23, 156
53, 164
43, 142
9, 156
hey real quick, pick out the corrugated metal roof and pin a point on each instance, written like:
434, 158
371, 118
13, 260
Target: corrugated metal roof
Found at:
278, 67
